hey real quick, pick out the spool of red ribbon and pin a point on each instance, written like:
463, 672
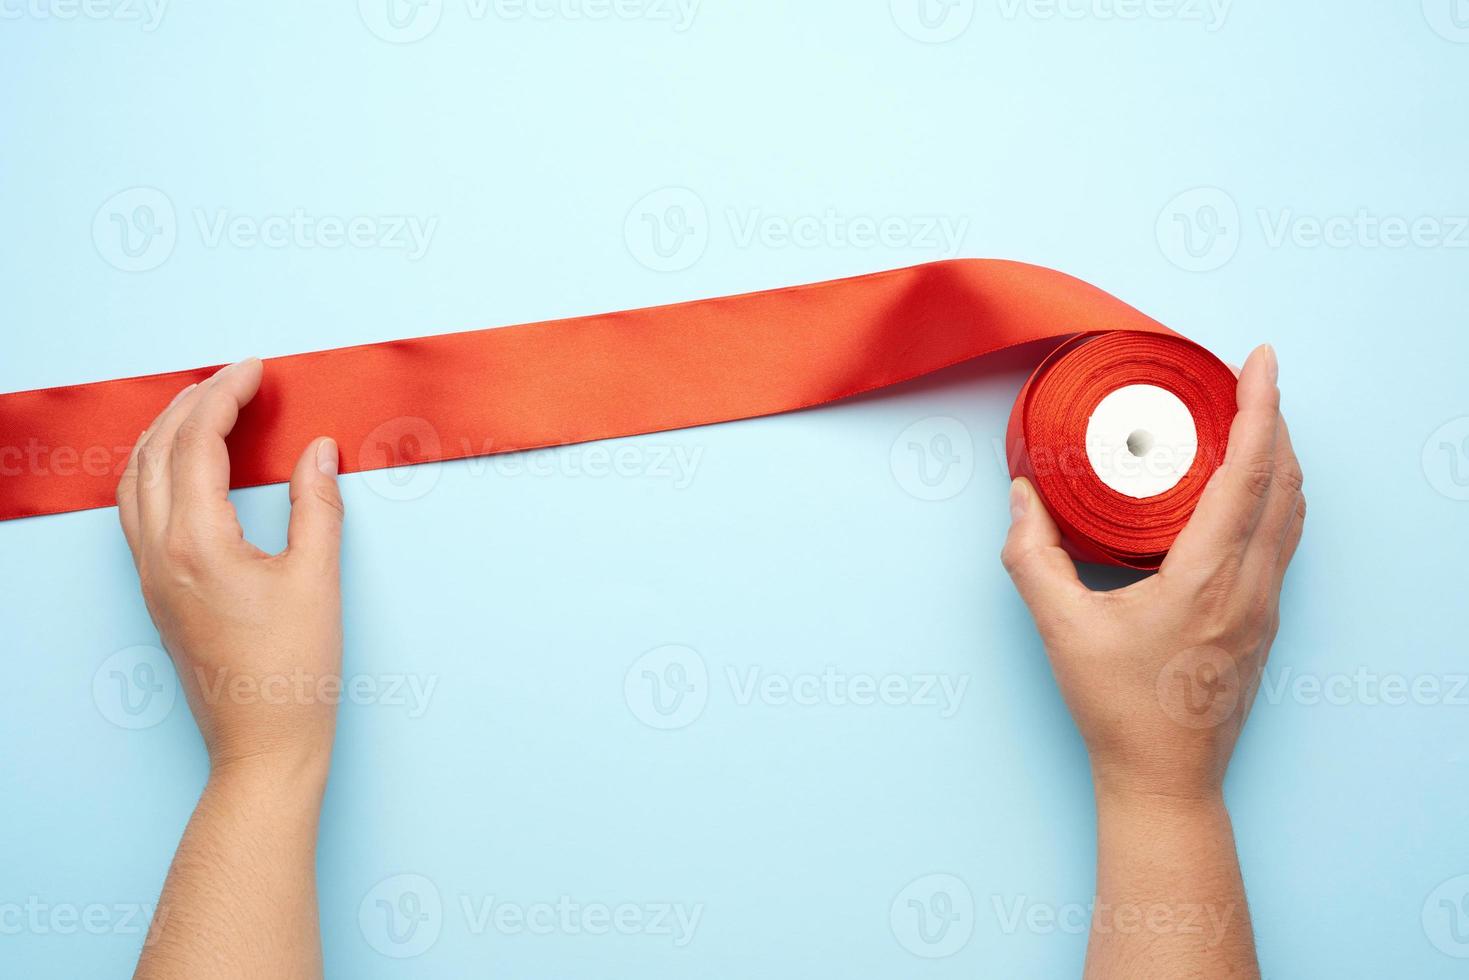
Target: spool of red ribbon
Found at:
670, 367
1120, 494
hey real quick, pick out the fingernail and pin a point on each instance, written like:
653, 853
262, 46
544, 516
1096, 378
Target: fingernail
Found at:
1272, 364
230, 367
1019, 500
326, 457
181, 394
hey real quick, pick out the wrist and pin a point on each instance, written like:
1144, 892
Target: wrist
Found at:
1168, 885
1143, 798
293, 779
1186, 783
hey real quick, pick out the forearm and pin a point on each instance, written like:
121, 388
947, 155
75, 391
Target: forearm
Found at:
240, 897
1170, 899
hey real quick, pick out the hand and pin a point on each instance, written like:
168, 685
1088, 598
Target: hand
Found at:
1161, 675
257, 642
256, 638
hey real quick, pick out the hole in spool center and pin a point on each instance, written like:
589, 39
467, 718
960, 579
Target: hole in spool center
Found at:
1140, 443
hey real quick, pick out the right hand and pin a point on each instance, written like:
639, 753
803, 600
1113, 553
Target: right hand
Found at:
1160, 675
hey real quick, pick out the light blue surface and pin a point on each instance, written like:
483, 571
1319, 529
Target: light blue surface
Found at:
521, 145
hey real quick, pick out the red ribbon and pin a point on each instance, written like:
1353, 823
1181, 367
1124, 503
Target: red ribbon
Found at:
1047, 440
668, 367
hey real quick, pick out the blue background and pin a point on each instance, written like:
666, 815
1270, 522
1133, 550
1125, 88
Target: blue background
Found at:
802, 541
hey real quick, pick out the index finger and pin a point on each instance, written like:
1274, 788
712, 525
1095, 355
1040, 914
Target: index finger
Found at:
200, 464
129, 507
1235, 497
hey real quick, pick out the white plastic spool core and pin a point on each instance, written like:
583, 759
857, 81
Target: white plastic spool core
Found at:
1141, 440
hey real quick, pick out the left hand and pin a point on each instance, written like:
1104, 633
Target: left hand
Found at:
256, 638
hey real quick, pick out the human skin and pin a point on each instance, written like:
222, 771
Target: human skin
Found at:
1159, 677
240, 897
257, 643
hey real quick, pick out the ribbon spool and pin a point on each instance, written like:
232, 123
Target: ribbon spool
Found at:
1119, 433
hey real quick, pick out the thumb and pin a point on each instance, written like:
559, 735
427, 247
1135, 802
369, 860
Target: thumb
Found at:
1044, 575
316, 504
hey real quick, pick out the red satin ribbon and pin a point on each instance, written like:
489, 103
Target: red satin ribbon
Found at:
639, 371
1047, 440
